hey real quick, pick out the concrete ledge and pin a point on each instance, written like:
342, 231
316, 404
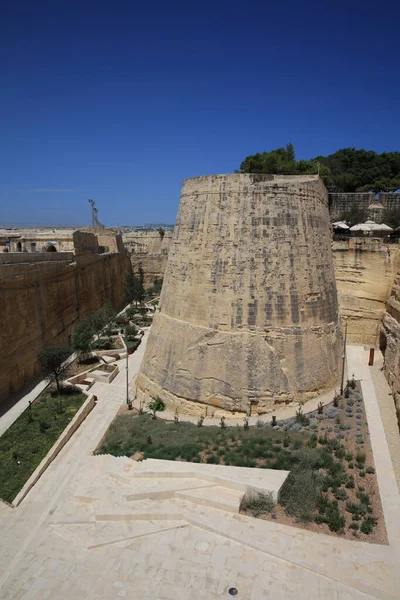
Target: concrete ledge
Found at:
80, 416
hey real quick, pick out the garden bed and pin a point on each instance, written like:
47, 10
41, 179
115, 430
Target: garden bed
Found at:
255, 447
114, 343
27, 441
78, 367
337, 488
332, 487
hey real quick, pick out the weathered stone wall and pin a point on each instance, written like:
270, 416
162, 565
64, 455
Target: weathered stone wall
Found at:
390, 342
39, 304
149, 249
364, 271
85, 242
111, 240
341, 202
248, 312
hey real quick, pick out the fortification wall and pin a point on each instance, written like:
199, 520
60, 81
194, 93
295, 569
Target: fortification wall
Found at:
364, 271
149, 249
248, 312
340, 202
41, 302
390, 342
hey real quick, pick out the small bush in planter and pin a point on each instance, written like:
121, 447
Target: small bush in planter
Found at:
131, 331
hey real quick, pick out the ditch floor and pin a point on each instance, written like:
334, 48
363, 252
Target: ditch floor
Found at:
344, 500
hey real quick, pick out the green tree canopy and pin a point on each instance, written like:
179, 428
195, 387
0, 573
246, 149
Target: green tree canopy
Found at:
82, 336
347, 170
134, 286
52, 363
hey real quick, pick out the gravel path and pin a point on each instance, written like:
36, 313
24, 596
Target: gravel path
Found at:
388, 413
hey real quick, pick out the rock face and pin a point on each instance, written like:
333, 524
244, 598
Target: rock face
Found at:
365, 270
390, 342
248, 315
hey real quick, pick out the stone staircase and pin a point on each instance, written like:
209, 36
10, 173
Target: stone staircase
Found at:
116, 498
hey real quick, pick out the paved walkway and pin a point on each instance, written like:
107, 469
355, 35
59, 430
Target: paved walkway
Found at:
80, 534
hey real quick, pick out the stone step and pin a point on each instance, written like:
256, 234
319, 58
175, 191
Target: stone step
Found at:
236, 478
161, 488
214, 497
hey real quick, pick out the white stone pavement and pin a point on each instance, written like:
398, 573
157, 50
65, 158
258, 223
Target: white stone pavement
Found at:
100, 527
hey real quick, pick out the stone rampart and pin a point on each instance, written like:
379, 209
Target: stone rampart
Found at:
150, 249
390, 342
364, 271
248, 314
41, 302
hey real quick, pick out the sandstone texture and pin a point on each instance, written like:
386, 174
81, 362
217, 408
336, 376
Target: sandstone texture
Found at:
390, 342
365, 270
149, 249
248, 315
41, 302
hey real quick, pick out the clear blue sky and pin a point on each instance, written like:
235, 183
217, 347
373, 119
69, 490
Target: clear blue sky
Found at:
120, 101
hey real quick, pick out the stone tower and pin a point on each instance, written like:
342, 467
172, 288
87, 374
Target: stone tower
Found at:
248, 314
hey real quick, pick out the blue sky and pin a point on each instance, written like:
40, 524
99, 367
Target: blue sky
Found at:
120, 101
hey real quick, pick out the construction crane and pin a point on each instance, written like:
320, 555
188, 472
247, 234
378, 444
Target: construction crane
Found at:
95, 222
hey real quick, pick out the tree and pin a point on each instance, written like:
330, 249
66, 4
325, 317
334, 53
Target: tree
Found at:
392, 217
353, 215
131, 331
131, 287
97, 321
52, 363
141, 290
82, 336
156, 405
161, 232
347, 170
109, 315
134, 286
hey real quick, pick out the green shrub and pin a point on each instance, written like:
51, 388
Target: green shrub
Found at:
335, 520
349, 456
340, 453
299, 494
131, 331
302, 418
368, 524
350, 482
360, 459
156, 405
356, 508
370, 470
351, 465
354, 526
312, 442
363, 496
340, 494
212, 459
257, 502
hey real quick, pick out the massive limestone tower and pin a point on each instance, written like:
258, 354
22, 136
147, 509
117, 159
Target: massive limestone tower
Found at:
248, 314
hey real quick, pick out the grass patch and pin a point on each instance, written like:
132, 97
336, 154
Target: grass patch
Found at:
216, 445
30, 437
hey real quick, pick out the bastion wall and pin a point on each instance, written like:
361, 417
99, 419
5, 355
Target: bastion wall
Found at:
149, 249
248, 314
390, 342
40, 303
365, 270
